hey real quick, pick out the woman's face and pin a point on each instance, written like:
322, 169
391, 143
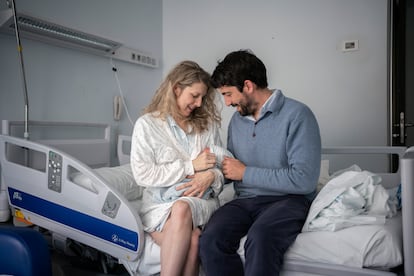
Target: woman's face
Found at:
190, 98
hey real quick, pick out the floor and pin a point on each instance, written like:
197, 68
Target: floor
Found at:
69, 266
72, 265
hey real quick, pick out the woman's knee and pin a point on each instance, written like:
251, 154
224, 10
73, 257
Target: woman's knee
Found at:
181, 209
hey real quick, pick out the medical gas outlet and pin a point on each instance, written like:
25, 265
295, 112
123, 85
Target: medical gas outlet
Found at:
135, 56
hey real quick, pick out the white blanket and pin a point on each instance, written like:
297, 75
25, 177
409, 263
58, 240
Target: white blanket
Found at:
349, 199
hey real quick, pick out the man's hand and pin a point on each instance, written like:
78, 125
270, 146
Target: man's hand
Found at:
233, 169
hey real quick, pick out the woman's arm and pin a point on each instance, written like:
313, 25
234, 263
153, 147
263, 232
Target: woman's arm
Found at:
155, 161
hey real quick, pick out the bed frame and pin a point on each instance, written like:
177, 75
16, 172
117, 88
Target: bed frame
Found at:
105, 220
102, 219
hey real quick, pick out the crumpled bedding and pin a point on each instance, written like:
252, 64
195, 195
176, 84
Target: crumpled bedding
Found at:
351, 198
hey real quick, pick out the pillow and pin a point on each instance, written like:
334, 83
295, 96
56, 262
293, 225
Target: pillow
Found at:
119, 178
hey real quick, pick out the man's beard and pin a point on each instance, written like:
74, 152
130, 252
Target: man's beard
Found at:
246, 108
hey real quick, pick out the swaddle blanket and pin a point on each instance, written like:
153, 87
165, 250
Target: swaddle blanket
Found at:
167, 194
351, 198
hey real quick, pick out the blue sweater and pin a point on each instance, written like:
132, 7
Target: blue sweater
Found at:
282, 149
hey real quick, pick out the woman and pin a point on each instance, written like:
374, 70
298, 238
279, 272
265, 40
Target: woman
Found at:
170, 145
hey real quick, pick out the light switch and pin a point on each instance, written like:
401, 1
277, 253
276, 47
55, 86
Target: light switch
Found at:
350, 45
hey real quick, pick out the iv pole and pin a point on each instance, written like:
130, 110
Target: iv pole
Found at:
19, 50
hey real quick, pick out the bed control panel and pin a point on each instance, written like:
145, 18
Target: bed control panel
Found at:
55, 172
111, 205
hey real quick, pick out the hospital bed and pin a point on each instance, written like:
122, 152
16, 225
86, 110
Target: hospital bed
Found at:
97, 207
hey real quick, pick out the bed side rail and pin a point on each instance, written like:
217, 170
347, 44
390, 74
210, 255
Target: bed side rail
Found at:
389, 179
331, 269
99, 217
407, 195
75, 138
124, 149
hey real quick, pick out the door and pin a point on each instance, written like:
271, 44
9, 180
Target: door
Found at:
402, 83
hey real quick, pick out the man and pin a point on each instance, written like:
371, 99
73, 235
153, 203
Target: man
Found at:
276, 145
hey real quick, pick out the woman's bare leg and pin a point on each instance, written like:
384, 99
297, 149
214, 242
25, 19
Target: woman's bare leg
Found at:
193, 262
175, 239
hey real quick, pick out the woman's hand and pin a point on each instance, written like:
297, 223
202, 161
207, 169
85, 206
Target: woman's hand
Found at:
198, 185
205, 160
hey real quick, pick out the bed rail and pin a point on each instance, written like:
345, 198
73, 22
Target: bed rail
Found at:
39, 186
124, 149
79, 139
389, 178
407, 195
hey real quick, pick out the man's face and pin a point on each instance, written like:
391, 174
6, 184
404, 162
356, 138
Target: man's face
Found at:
240, 100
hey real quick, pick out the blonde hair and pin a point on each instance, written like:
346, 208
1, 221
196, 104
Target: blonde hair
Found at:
164, 103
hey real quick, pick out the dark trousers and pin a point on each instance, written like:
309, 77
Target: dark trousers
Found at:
271, 224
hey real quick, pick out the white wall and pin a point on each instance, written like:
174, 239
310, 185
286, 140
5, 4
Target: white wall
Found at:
299, 42
297, 39
69, 85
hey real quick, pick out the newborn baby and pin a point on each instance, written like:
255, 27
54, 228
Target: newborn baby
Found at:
166, 194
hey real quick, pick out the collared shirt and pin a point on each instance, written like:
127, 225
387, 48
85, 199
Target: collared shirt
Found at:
186, 140
266, 106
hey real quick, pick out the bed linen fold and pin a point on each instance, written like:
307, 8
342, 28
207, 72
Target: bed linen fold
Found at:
349, 199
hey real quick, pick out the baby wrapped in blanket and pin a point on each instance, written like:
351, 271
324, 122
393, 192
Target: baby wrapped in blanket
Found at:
166, 194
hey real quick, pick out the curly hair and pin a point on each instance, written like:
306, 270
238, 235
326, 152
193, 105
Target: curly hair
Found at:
164, 102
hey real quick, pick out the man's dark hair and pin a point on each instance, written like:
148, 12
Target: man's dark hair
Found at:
237, 67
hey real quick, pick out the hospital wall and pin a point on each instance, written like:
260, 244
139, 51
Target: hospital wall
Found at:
300, 41
70, 85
